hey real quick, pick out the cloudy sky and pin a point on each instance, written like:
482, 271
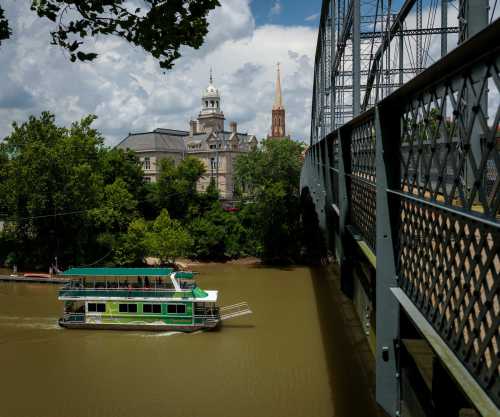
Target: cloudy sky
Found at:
129, 92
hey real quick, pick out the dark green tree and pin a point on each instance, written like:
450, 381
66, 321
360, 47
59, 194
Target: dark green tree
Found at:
51, 179
267, 180
160, 27
177, 186
166, 239
120, 164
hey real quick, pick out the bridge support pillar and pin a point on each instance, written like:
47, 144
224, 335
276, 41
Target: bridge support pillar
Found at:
387, 223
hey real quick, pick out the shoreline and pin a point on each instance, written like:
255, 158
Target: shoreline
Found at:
184, 263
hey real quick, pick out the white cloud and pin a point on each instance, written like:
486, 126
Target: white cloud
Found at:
129, 92
312, 17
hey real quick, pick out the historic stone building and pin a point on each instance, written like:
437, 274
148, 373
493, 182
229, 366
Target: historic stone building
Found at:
278, 113
206, 140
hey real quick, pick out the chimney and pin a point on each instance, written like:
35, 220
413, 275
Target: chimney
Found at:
233, 127
193, 127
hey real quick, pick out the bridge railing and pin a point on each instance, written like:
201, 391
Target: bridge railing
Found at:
358, 137
448, 238
418, 179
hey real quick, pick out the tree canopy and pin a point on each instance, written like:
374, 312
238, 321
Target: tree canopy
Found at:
65, 194
160, 27
267, 180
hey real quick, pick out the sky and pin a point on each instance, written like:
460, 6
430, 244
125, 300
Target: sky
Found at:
129, 92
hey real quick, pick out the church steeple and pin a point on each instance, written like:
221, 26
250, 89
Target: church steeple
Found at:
278, 113
278, 100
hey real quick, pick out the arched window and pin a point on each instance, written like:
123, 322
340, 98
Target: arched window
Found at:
212, 102
206, 103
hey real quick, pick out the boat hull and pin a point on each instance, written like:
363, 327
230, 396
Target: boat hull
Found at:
141, 327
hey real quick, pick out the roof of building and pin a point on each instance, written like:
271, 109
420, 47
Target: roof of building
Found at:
158, 140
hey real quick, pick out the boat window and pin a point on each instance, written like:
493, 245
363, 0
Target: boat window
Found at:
96, 308
176, 308
151, 308
127, 308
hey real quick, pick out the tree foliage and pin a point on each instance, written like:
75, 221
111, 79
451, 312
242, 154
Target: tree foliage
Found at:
160, 27
167, 239
65, 194
267, 179
177, 186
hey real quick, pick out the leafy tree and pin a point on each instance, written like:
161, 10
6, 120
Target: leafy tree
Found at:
267, 179
160, 27
177, 185
130, 248
117, 163
48, 171
219, 235
4, 26
117, 208
167, 239
208, 239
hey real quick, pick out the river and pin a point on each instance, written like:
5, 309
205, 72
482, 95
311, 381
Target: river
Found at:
293, 357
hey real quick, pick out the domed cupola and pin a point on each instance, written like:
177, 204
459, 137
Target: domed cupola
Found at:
211, 118
210, 100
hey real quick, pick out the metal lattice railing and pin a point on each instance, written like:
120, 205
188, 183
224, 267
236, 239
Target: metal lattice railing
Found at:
363, 179
418, 178
449, 237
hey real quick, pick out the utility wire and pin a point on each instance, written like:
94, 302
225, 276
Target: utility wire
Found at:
70, 213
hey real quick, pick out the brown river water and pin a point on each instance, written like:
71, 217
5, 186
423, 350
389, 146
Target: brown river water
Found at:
293, 357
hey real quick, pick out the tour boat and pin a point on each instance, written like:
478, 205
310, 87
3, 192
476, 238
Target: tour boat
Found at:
140, 299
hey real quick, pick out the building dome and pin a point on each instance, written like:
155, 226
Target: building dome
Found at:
211, 91
210, 99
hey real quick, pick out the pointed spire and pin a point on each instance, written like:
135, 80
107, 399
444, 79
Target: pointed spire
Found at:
278, 101
211, 78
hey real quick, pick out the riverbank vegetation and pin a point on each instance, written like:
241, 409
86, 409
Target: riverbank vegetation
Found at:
66, 195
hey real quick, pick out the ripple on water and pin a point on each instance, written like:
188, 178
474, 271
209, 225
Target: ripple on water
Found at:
41, 323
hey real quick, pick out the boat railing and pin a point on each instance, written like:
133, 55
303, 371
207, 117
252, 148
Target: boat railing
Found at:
74, 317
128, 292
234, 310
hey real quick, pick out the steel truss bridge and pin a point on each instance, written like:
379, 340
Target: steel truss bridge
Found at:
402, 173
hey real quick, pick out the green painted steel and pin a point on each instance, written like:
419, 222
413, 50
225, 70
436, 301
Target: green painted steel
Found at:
123, 292
112, 315
118, 272
199, 293
185, 274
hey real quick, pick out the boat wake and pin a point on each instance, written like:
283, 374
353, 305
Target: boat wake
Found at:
41, 323
161, 334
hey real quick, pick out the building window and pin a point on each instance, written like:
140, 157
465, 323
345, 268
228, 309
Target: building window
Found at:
127, 308
147, 163
151, 308
212, 103
147, 179
213, 146
176, 309
206, 103
96, 308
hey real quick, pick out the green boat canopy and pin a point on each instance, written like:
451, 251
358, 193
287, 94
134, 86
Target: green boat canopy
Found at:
199, 293
118, 272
